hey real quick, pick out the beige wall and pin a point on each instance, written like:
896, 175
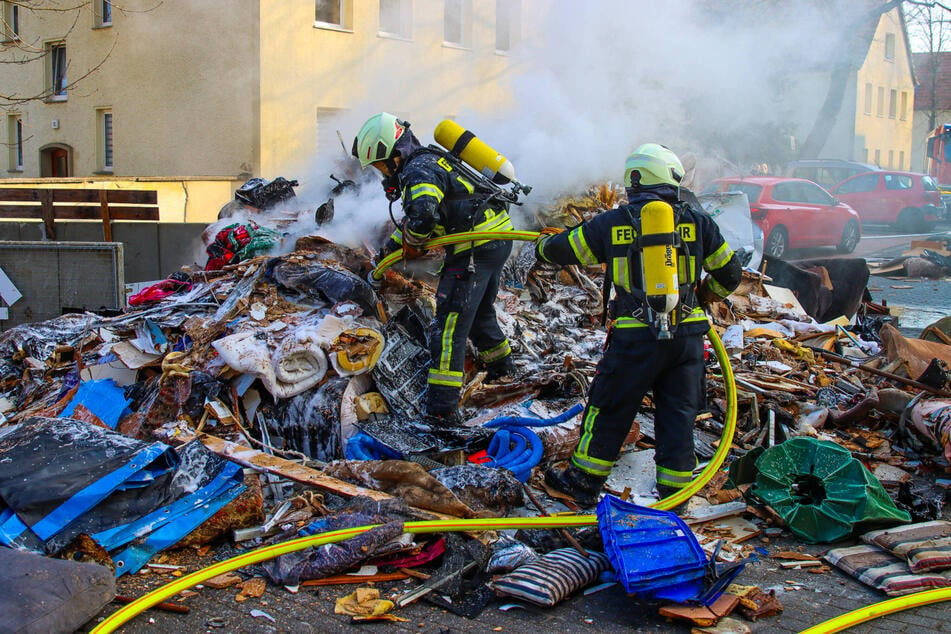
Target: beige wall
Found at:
181, 84
306, 68
889, 136
232, 88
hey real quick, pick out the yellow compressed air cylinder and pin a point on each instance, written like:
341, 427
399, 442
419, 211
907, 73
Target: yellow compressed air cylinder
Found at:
476, 153
659, 261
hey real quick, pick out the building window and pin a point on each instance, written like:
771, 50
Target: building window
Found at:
892, 103
456, 22
903, 110
880, 108
890, 46
15, 134
396, 18
901, 159
106, 154
868, 99
865, 155
507, 20
891, 159
11, 21
333, 13
103, 13
878, 157
57, 70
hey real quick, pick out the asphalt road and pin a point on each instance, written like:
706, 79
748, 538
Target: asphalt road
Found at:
918, 301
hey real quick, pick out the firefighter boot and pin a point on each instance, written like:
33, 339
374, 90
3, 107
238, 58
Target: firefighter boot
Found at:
500, 369
664, 491
583, 487
442, 418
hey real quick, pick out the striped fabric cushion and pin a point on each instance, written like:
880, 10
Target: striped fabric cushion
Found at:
552, 577
925, 546
882, 570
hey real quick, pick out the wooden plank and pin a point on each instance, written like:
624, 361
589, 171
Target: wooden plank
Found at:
18, 194
88, 212
248, 457
20, 211
47, 214
106, 220
80, 212
335, 580
114, 196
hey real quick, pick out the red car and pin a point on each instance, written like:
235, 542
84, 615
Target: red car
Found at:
908, 201
795, 213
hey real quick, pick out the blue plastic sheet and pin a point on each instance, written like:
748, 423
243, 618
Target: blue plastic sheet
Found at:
134, 498
103, 398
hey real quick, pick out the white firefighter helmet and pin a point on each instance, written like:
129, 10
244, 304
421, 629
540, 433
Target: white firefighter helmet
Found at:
655, 165
377, 138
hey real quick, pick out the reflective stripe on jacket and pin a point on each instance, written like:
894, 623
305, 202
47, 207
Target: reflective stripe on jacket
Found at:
439, 200
608, 237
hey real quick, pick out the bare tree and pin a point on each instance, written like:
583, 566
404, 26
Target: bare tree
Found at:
832, 105
930, 34
17, 49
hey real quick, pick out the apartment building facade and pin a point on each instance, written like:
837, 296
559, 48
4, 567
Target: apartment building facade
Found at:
227, 89
885, 94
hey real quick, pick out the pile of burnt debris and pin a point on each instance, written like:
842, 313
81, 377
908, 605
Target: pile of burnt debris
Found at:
261, 399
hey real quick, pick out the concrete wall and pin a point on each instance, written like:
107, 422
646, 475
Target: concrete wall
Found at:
57, 277
151, 251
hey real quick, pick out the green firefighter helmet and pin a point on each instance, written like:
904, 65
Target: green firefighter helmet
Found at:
655, 165
377, 138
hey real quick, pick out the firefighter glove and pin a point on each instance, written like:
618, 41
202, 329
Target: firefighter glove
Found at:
411, 253
375, 283
705, 294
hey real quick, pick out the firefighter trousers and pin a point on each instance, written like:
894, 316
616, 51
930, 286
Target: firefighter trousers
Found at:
673, 370
465, 309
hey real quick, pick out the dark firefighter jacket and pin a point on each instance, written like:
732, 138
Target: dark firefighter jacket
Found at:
608, 237
439, 200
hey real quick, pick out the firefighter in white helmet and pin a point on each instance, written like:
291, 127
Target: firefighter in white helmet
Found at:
651, 345
438, 200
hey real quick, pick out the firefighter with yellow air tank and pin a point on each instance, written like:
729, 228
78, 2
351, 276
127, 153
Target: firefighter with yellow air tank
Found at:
655, 247
440, 196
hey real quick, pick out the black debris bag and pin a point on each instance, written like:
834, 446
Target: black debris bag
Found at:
309, 422
311, 282
262, 194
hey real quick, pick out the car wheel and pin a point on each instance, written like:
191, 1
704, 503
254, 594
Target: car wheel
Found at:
777, 243
850, 237
911, 220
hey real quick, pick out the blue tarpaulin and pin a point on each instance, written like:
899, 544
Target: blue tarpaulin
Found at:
61, 477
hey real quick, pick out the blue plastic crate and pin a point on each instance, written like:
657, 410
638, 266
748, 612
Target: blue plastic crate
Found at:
653, 552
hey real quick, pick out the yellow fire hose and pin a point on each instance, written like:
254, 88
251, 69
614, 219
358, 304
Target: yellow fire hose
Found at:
882, 608
455, 238
129, 611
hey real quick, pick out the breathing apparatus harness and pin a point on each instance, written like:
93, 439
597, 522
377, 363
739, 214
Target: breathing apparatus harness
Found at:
486, 191
658, 250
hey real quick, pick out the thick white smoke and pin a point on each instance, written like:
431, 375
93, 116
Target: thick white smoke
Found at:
593, 79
